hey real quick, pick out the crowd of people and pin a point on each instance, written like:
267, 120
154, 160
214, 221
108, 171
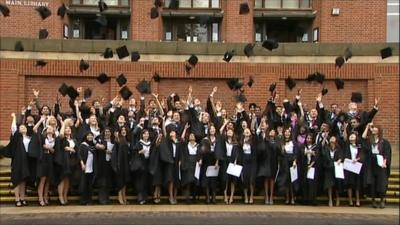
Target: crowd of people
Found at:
178, 145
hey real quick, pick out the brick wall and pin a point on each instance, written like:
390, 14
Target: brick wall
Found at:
236, 27
142, 27
18, 77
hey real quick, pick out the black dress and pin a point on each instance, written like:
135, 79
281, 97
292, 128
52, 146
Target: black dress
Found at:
209, 158
105, 174
353, 180
287, 157
330, 181
249, 162
140, 168
267, 161
45, 162
170, 155
66, 163
120, 164
231, 154
309, 186
188, 166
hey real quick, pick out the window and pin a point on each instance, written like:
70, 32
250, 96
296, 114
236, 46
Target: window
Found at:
196, 3
95, 2
191, 31
283, 4
283, 30
92, 27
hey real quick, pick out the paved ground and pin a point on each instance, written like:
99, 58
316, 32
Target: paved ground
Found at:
197, 215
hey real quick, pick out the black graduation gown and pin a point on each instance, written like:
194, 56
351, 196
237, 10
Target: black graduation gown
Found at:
155, 166
352, 180
141, 172
283, 179
66, 163
83, 154
376, 177
188, 165
45, 162
329, 168
209, 158
169, 163
266, 158
120, 164
249, 163
309, 187
104, 173
225, 160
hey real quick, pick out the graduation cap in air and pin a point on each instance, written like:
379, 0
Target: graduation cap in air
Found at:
339, 83
290, 83
19, 47
235, 83
102, 78
339, 61
44, 12
319, 77
72, 93
125, 93
386, 52
188, 67
356, 97
102, 5
156, 77
251, 81
4, 10
157, 3
143, 87
135, 56
348, 54
101, 20
244, 8
83, 65
41, 63
121, 80
270, 44
311, 77
108, 53
272, 87
43, 33
154, 13
87, 93
248, 49
62, 10
324, 91
122, 52
173, 4
63, 89
241, 97
193, 60
228, 55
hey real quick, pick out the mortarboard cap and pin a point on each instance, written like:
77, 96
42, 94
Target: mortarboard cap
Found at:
43, 33
356, 97
108, 53
348, 54
251, 81
319, 77
193, 60
144, 87
41, 63
248, 49
87, 93
290, 83
19, 47
173, 4
4, 10
102, 78
270, 44
122, 52
157, 3
339, 61
72, 93
339, 83
62, 10
121, 80
125, 93
154, 13
228, 55
101, 20
156, 77
63, 89
311, 77
272, 87
324, 91
244, 8
44, 12
241, 97
386, 52
83, 65
102, 5
135, 56
235, 83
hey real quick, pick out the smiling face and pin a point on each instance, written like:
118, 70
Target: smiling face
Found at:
22, 129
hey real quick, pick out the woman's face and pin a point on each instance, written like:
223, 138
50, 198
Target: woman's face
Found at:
309, 139
332, 140
230, 125
22, 129
123, 132
352, 138
206, 118
280, 129
50, 130
89, 137
172, 134
287, 134
52, 121
92, 110
212, 130
229, 133
30, 120
176, 117
192, 137
67, 131
244, 124
146, 135
302, 130
121, 119
264, 126
375, 130
223, 113
247, 132
107, 133
272, 133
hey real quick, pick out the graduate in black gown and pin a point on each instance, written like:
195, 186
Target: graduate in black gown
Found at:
140, 165
249, 163
332, 154
155, 169
353, 182
376, 172
310, 159
87, 155
120, 163
190, 157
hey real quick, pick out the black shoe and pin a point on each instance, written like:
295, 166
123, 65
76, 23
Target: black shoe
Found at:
24, 203
18, 204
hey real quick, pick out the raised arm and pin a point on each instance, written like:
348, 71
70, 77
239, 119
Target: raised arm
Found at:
158, 104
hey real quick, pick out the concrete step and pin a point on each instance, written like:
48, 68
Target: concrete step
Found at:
393, 186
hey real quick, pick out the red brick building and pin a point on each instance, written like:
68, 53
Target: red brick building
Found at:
312, 34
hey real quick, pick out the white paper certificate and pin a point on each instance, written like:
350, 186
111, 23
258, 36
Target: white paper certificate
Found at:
379, 160
234, 170
339, 173
212, 171
197, 171
311, 173
354, 167
293, 174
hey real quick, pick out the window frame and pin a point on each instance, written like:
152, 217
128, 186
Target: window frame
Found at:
281, 6
173, 27
192, 5
82, 4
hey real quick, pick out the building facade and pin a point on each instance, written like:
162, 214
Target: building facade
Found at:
312, 34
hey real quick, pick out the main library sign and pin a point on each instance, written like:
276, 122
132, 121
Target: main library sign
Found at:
27, 3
